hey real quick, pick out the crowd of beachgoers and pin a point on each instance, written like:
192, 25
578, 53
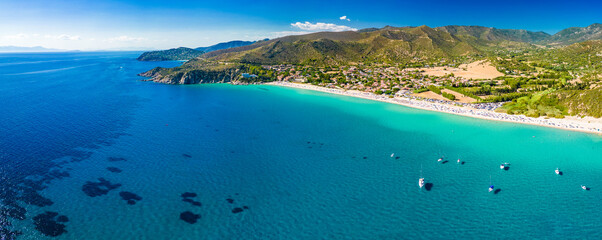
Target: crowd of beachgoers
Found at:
478, 110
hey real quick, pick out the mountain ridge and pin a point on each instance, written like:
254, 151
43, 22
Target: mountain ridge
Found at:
184, 53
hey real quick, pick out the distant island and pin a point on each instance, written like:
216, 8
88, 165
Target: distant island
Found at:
183, 53
532, 73
27, 49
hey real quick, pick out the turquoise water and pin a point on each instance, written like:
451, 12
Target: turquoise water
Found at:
306, 165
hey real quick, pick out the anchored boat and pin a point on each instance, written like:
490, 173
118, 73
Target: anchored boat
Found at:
504, 166
421, 179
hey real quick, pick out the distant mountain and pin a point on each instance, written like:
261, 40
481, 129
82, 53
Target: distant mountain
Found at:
397, 44
183, 53
226, 45
575, 35
26, 49
494, 34
173, 54
388, 44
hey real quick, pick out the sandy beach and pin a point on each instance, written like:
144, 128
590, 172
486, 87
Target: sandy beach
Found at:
587, 124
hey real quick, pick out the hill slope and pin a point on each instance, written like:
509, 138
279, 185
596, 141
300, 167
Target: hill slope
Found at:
387, 45
575, 35
396, 44
226, 45
173, 54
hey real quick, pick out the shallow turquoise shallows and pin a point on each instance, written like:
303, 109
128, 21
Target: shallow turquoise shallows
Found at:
269, 162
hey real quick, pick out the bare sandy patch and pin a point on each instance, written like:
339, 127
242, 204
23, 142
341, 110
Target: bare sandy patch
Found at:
431, 95
460, 97
476, 70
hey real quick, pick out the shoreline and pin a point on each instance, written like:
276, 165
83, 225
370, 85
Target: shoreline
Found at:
567, 123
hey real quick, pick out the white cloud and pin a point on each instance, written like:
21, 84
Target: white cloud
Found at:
314, 27
17, 36
345, 18
63, 37
125, 39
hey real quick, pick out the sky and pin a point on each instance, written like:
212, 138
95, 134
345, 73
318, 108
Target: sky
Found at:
161, 24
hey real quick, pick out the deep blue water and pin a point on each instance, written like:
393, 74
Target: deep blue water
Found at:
81, 135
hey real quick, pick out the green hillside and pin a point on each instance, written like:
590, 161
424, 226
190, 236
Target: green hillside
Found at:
386, 45
538, 80
575, 35
173, 54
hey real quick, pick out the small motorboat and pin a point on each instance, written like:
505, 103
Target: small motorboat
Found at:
490, 188
392, 154
440, 159
557, 171
421, 182
504, 166
583, 187
459, 160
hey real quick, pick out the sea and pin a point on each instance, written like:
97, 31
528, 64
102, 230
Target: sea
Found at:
90, 151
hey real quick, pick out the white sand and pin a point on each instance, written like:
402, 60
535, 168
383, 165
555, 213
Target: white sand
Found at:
587, 124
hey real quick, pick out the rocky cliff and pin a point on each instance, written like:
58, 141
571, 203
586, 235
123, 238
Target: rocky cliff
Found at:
192, 76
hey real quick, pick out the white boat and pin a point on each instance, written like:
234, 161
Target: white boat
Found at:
583, 187
392, 154
490, 188
557, 171
458, 160
440, 159
421, 179
504, 166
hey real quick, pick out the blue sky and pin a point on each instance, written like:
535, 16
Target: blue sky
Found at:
154, 24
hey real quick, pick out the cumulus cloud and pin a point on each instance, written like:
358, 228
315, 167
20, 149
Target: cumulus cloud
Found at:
315, 27
63, 37
344, 18
125, 39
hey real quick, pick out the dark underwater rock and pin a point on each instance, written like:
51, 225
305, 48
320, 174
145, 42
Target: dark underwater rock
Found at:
193, 202
130, 198
47, 223
188, 195
189, 217
32, 197
102, 187
14, 211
